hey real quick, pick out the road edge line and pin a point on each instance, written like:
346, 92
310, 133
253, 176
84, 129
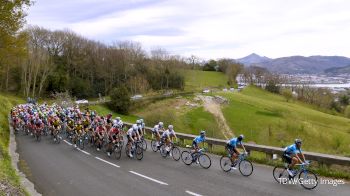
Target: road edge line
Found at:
98, 158
149, 178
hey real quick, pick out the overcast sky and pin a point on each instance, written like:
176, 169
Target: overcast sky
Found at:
207, 28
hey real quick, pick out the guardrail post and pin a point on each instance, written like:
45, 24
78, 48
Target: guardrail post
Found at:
182, 141
210, 147
269, 156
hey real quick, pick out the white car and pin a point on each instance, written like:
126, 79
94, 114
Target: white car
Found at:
135, 97
81, 101
206, 91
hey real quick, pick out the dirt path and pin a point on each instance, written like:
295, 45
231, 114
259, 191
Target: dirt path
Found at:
211, 106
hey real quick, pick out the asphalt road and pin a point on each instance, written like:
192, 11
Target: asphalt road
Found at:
59, 169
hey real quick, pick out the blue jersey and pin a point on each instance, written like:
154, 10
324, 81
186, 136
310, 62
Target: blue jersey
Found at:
199, 139
234, 142
292, 149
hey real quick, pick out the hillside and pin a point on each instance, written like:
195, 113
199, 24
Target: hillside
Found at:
198, 80
268, 119
338, 70
296, 64
8, 176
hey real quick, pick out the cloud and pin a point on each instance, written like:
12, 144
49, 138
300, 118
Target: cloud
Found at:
206, 28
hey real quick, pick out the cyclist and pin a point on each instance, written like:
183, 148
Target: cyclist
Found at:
139, 128
199, 139
156, 134
78, 130
166, 140
292, 155
99, 133
231, 147
132, 135
172, 133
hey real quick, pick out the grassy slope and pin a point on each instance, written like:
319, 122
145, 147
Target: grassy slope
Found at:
268, 119
7, 173
198, 80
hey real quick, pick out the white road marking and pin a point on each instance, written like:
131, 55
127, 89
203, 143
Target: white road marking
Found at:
152, 179
107, 162
67, 142
83, 151
192, 193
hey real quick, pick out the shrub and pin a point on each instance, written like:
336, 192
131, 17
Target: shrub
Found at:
120, 100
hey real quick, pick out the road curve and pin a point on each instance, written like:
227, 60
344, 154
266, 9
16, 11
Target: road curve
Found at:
59, 169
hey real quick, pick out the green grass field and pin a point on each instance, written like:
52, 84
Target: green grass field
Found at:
7, 173
198, 80
266, 118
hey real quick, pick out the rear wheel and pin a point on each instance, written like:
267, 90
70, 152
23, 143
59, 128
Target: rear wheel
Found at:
144, 145
246, 168
308, 179
204, 161
225, 163
154, 145
176, 153
280, 174
139, 153
186, 157
163, 151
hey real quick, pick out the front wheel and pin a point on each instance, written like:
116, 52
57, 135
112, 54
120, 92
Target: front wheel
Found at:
176, 153
204, 161
308, 179
186, 157
225, 163
246, 168
163, 151
118, 152
280, 174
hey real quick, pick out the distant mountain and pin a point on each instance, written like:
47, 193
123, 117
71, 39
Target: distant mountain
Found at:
338, 70
298, 64
253, 59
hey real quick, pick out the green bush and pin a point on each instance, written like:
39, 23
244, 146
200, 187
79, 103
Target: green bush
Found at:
120, 100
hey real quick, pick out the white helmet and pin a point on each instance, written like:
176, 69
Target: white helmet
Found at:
141, 120
161, 124
117, 118
170, 127
138, 122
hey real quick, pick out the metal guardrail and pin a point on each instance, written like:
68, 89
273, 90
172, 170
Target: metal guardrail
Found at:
269, 150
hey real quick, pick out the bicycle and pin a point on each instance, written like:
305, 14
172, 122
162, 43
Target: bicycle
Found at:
174, 151
307, 179
144, 143
80, 141
154, 146
196, 157
245, 166
136, 150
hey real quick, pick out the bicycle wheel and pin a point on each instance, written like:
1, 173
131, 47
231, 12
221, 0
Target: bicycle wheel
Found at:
118, 152
38, 137
225, 163
246, 168
139, 152
154, 145
81, 144
204, 161
175, 153
280, 174
308, 179
144, 145
58, 139
163, 151
186, 157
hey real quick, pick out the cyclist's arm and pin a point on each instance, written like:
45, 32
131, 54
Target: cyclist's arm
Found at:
243, 147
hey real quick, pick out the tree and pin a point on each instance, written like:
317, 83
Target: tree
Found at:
210, 66
120, 100
287, 93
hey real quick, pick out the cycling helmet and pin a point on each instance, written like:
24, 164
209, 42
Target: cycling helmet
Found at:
161, 124
138, 122
170, 127
117, 118
141, 120
297, 141
202, 133
240, 138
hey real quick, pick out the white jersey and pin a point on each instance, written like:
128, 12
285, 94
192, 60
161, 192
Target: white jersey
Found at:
172, 132
165, 134
156, 129
130, 132
118, 123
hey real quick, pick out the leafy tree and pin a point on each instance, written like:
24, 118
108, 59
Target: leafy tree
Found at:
120, 100
210, 66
